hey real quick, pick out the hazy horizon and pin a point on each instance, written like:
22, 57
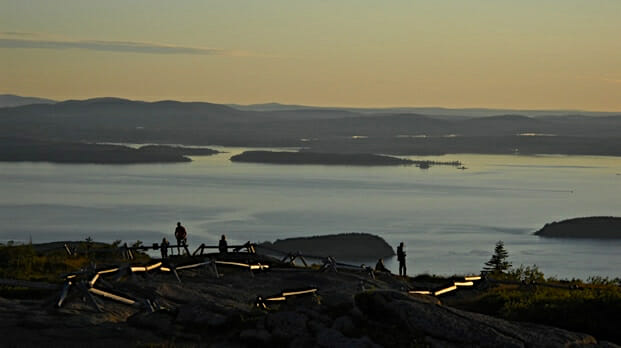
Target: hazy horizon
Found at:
526, 55
276, 103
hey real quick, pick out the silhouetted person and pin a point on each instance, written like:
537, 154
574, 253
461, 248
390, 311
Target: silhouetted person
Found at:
401, 258
181, 235
223, 246
379, 266
164, 248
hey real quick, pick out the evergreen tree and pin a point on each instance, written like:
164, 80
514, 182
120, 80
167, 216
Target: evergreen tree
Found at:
498, 263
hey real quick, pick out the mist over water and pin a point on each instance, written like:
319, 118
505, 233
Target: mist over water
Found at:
449, 219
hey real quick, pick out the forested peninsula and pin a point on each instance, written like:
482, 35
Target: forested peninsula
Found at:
595, 227
30, 150
350, 246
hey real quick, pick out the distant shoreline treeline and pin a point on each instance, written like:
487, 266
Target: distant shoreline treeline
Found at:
29, 150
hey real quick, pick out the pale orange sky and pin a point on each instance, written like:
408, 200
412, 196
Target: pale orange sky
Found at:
554, 54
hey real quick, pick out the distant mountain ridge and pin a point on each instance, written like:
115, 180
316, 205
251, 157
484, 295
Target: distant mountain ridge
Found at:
429, 111
117, 120
11, 100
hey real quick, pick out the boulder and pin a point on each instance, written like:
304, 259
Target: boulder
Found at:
345, 325
197, 315
332, 338
159, 321
285, 326
255, 336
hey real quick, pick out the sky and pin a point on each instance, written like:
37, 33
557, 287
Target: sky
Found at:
527, 54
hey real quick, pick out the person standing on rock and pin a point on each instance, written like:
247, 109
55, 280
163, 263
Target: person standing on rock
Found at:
223, 245
181, 235
401, 258
164, 248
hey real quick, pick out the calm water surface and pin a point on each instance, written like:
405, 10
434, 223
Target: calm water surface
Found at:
449, 219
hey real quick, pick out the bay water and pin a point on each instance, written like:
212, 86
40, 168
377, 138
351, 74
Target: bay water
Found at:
449, 219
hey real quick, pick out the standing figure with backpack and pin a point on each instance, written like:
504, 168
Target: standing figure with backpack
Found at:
181, 235
401, 258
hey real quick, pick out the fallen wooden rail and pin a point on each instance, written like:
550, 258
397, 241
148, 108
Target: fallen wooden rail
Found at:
468, 281
112, 296
468, 278
251, 267
445, 290
262, 302
146, 268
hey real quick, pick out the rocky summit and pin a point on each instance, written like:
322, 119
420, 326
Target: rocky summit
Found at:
230, 305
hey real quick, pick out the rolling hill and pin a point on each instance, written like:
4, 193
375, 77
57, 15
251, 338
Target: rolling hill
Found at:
318, 129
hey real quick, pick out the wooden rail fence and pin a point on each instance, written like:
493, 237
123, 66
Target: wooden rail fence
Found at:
86, 280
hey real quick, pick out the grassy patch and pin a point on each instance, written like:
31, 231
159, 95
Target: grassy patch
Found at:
48, 262
25, 263
590, 307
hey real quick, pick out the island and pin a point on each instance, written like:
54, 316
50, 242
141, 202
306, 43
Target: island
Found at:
594, 227
321, 158
346, 246
177, 150
32, 150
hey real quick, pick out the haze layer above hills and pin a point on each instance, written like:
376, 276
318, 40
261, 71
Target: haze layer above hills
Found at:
315, 129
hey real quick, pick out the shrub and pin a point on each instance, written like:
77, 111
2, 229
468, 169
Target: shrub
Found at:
528, 274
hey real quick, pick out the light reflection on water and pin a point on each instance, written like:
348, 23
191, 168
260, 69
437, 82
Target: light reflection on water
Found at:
449, 219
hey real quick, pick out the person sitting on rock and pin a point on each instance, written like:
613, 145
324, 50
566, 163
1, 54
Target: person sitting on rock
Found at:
223, 246
379, 266
181, 236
